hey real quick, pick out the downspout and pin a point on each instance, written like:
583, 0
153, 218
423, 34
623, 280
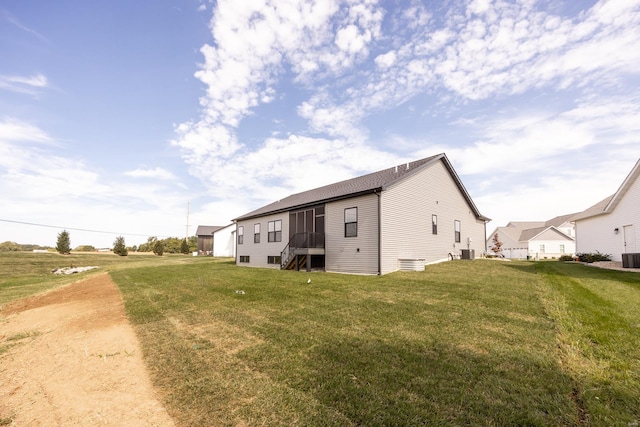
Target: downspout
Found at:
485, 237
379, 233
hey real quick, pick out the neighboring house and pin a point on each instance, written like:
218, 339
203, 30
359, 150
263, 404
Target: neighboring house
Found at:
611, 226
536, 239
224, 241
216, 240
205, 238
398, 218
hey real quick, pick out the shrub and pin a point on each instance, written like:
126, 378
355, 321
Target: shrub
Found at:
564, 258
119, 246
593, 257
158, 248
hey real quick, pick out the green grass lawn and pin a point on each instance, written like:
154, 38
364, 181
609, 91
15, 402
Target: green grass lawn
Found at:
463, 343
26, 273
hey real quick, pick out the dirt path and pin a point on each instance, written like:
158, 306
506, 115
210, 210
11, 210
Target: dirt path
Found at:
70, 358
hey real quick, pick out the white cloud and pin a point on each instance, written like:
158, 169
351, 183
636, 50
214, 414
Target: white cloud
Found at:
23, 84
12, 129
156, 173
41, 184
351, 60
386, 60
253, 41
14, 21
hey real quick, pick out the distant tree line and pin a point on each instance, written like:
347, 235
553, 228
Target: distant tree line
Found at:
16, 247
170, 245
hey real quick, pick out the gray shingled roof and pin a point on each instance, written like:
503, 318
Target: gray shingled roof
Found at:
533, 232
559, 220
357, 186
206, 230
594, 210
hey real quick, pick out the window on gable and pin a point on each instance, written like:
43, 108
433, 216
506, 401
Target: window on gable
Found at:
351, 222
456, 228
274, 232
240, 235
434, 224
256, 233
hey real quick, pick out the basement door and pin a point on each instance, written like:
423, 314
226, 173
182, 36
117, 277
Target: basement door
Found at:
629, 239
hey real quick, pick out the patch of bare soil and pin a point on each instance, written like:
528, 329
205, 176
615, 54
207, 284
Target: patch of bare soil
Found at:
70, 358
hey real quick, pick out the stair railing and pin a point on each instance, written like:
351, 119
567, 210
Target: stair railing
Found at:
300, 241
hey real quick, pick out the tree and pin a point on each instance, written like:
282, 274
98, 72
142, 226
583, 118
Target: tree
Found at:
172, 245
119, 247
193, 243
158, 247
148, 246
63, 246
9, 247
497, 244
184, 247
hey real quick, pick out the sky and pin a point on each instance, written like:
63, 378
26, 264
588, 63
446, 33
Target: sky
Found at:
149, 118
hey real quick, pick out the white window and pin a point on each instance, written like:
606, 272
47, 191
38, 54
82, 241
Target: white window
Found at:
274, 231
256, 233
351, 222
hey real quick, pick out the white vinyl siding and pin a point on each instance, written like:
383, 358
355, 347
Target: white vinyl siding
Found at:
598, 233
551, 244
260, 252
405, 205
223, 242
357, 254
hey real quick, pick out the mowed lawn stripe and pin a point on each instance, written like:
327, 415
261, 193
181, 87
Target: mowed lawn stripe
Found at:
460, 343
598, 318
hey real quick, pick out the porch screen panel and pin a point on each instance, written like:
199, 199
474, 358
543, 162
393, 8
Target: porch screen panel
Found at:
308, 226
292, 225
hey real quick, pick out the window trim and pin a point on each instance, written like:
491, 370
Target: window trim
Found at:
434, 224
347, 231
273, 233
244, 258
274, 259
256, 233
240, 234
457, 231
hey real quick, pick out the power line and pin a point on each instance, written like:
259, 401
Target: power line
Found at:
77, 229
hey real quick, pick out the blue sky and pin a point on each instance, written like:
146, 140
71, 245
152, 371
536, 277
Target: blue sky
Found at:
117, 116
